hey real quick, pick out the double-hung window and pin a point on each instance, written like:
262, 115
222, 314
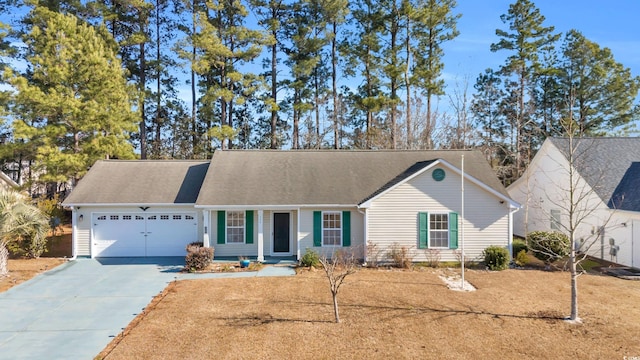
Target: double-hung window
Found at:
438, 230
331, 228
235, 227
555, 219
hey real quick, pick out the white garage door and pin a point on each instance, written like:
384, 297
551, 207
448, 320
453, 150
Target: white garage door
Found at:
154, 234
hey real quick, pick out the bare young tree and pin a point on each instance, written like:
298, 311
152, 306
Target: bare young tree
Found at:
342, 264
585, 215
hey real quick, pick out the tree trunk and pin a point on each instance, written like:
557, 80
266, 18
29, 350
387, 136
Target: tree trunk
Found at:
143, 125
335, 306
334, 80
4, 260
574, 284
274, 94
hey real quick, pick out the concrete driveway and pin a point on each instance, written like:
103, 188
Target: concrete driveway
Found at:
76, 309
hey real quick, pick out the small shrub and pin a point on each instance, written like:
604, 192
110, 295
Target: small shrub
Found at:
400, 256
549, 246
521, 258
374, 255
310, 259
198, 257
496, 257
519, 245
433, 257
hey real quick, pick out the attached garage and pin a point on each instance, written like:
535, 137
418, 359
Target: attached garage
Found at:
134, 234
144, 209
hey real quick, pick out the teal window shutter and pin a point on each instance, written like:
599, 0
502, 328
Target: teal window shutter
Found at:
453, 230
346, 228
222, 226
423, 230
317, 228
248, 226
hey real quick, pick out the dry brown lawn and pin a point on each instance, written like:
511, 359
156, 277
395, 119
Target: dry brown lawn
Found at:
21, 270
388, 314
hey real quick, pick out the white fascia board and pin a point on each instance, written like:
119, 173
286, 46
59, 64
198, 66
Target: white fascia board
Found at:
124, 204
272, 207
448, 165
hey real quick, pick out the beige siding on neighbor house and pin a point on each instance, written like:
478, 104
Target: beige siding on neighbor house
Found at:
306, 232
83, 227
393, 216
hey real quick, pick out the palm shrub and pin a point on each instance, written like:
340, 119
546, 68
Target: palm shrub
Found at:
549, 246
20, 222
310, 259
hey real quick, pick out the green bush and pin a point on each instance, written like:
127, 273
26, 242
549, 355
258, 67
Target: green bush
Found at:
519, 245
549, 246
198, 257
521, 258
496, 257
310, 258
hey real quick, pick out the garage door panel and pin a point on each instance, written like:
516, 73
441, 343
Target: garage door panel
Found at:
169, 234
118, 235
138, 235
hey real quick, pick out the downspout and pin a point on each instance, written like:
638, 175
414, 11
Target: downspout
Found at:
364, 215
512, 210
74, 233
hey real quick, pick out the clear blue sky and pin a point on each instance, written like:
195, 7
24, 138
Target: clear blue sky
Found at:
612, 23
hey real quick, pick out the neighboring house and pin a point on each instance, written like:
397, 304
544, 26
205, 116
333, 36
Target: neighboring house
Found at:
606, 192
280, 203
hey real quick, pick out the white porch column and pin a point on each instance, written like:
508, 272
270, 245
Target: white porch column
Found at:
260, 235
298, 234
74, 232
206, 228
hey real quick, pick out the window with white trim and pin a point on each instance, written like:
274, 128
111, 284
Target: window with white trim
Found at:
332, 228
555, 219
235, 227
438, 230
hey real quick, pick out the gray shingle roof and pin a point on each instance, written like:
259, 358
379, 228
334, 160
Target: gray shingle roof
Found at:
323, 177
606, 163
140, 182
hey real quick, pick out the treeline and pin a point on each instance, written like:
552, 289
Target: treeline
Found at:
86, 80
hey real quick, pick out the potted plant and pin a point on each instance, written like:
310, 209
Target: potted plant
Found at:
244, 262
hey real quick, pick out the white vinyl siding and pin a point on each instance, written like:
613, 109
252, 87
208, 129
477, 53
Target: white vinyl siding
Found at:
392, 217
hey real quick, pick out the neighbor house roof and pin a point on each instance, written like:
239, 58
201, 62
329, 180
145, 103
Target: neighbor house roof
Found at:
140, 182
322, 177
607, 165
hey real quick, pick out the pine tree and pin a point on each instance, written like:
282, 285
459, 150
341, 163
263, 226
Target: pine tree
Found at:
526, 38
76, 105
604, 91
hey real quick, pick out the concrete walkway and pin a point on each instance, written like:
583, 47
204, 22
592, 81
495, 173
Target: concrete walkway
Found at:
76, 309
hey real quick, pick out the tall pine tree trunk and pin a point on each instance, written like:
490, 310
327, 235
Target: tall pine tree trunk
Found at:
334, 83
143, 82
274, 93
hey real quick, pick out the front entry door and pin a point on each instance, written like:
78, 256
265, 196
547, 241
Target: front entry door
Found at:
281, 233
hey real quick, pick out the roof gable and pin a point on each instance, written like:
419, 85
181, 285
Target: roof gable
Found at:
603, 163
421, 168
140, 182
339, 178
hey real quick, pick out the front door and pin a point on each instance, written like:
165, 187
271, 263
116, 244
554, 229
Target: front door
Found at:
281, 233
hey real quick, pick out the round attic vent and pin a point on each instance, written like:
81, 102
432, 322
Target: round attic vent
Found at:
438, 174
